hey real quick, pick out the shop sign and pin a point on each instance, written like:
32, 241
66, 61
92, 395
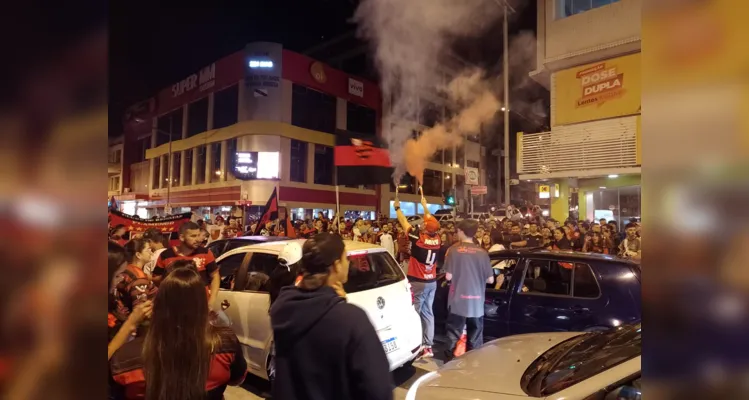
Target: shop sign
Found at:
203, 80
543, 191
355, 87
472, 176
596, 91
317, 70
477, 190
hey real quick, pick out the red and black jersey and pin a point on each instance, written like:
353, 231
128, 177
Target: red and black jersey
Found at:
132, 286
202, 257
422, 266
228, 366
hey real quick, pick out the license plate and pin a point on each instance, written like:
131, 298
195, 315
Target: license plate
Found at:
389, 345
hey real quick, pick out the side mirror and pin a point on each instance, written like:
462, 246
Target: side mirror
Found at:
625, 392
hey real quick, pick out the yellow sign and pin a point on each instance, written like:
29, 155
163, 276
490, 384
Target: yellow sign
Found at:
543, 191
606, 89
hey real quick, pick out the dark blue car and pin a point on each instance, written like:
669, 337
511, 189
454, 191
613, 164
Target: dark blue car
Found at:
544, 291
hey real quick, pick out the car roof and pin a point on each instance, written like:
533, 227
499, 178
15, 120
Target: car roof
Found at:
560, 254
276, 246
261, 239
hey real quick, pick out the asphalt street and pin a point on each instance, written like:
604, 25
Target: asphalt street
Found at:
256, 388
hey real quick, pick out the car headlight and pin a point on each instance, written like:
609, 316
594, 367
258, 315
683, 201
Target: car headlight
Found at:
411, 394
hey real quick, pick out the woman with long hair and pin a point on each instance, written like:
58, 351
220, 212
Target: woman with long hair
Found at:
182, 356
486, 242
325, 347
561, 242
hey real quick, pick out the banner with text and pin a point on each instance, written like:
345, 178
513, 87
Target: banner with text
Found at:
606, 89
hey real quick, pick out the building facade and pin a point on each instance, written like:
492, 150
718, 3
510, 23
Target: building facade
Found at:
588, 56
266, 102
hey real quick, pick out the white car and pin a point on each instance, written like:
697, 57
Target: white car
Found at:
376, 284
552, 366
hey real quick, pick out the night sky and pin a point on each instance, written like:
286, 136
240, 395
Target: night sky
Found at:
152, 47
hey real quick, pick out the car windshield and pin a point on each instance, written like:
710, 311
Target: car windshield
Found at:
581, 357
371, 270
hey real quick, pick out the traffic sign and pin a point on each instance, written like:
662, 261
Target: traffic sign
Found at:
477, 190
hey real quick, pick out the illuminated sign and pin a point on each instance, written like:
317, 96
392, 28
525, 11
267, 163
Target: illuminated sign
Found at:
203, 80
252, 165
261, 64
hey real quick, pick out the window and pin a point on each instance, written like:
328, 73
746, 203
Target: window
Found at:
312, 109
298, 167
323, 165
367, 271
231, 152
548, 277
432, 182
407, 185
141, 145
167, 123
215, 170
188, 167
155, 181
572, 7
449, 155
585, 282
430, 113
228, 267
217, 248
225, 107
460, 156
259, 271
114, 183
165, 167
176, 162
473, 164
437, 157
361, 119
200, 167
197, 117
503, 273
115, 157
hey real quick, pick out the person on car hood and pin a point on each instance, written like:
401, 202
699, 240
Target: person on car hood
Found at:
326, 348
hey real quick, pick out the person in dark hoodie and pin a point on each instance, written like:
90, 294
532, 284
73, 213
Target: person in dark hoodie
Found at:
325, 347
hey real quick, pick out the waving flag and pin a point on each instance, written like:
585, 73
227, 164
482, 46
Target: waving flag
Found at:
361, 160
270, 214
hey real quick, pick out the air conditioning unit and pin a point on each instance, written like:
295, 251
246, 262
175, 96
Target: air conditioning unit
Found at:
126, 190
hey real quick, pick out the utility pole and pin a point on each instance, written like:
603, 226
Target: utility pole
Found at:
169, 167
506, 73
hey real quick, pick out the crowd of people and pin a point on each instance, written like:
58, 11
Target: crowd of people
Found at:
169, 337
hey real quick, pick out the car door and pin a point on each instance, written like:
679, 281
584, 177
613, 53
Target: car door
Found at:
217, 247
257, 307
545, 300
497, 300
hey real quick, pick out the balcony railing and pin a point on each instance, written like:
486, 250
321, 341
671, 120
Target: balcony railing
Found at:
602, 144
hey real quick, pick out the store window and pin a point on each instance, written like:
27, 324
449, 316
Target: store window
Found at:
432, 182
622, 205
231, 151
312, 109
171, 122
188, 167
197, 117
298, 167
215, 170
200, 167
225, 107
572, 7
323, 165
176, 163
361, 119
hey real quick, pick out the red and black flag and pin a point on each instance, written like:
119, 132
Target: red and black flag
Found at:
361, 160
270, 213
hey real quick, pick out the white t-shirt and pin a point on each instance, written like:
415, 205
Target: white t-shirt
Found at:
386, 241
148, 268
357, 235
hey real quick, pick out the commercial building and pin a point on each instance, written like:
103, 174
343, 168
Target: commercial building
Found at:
265, 103
588, 56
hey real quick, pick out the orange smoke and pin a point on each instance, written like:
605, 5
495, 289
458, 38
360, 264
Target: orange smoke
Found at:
478, 106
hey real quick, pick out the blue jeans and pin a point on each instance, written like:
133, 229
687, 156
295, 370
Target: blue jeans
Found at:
423, 300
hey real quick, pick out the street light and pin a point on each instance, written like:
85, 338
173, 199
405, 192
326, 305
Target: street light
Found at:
506, 109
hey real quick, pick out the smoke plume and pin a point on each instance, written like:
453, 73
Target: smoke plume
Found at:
412, 42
